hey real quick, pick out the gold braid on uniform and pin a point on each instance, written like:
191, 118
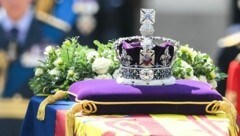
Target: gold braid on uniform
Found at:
44, 6
3, 69
43, 13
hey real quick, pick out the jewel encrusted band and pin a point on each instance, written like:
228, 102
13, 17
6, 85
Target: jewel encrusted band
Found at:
145, 74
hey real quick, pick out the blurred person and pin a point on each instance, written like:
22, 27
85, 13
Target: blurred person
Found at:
230, 49
19, 33
112, 19
23, 38
57, 14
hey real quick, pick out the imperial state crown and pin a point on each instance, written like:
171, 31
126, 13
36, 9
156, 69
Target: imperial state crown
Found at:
146, 59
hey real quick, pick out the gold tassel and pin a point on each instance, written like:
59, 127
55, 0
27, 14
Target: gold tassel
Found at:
85, 107
70, 118
230, 111
49, 100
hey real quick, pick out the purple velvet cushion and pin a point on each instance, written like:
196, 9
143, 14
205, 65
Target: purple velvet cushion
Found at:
110, 91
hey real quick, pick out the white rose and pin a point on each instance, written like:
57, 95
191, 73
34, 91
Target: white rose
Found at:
104, 76
58, 62
203, 78
91, 55
101, 65
54, 72
48, 50
213, 83
38, 72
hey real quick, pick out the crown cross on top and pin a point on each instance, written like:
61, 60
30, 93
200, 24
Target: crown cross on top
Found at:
147, 18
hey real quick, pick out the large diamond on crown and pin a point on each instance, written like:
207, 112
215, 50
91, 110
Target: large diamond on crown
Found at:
146, 74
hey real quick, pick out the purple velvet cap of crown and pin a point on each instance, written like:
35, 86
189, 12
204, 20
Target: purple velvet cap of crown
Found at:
133, 48
131, 45
110, 91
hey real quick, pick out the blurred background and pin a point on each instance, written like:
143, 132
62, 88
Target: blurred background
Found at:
28, 26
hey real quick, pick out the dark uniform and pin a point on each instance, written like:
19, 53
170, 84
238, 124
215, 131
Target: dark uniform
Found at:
226, 55
20, 68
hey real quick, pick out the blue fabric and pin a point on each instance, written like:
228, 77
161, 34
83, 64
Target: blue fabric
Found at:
62, 10
33, 127
18, 77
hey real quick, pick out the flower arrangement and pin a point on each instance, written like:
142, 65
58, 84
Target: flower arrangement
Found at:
73, 62
191, 64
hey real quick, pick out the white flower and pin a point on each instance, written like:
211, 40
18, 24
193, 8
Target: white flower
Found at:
184, 64
54, 72
58, 62
92, 54
48, 50
58, 52
101, 65
194, 78
104, 76
209, 60
213, 83
38, 72
202, 78
87, 79
72, 75
190, 51
186, 69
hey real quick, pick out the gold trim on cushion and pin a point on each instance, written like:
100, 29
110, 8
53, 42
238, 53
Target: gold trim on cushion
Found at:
13, 108
212, 107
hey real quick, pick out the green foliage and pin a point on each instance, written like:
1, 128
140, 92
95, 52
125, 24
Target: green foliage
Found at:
70, 63
190, 64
